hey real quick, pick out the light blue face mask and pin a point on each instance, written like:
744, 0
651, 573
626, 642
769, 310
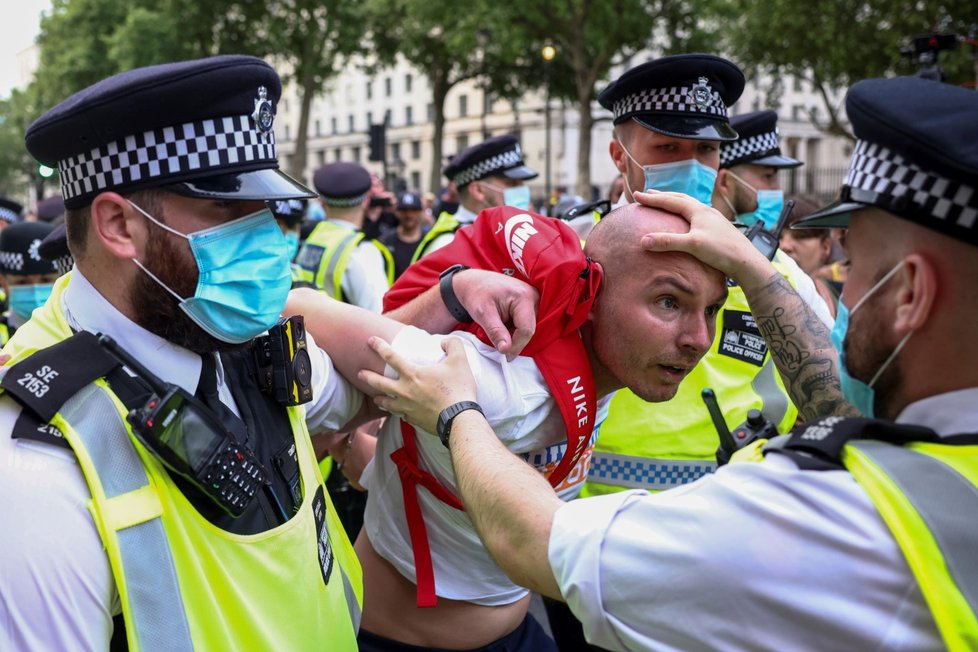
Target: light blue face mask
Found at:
291, 244
517, 197
243, 276
860, 394
689, 177
770, 203
25, 298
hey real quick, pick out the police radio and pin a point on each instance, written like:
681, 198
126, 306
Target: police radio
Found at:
767, 241
189, 439
284, 367
754, 428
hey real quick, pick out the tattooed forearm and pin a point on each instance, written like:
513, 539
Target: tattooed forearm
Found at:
801, 349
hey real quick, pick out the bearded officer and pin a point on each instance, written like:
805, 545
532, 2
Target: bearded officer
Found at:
208, 527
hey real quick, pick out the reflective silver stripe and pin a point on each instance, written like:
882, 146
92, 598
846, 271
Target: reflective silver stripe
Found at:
334, 261
351, 601
945, 500
156, 612
644, 472
774, 402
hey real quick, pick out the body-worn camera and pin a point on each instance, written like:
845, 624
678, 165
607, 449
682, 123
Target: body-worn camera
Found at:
284, 367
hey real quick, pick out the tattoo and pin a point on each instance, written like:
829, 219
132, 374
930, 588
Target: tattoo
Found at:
801, 349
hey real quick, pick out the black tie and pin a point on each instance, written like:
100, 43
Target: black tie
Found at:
207, 392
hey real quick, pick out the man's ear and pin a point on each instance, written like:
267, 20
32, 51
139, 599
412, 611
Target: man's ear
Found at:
118, 226
618, 155
916, 294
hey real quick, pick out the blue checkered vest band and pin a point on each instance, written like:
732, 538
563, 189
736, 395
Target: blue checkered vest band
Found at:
697, 98
220, 144
482, 169
751, 147
900, 186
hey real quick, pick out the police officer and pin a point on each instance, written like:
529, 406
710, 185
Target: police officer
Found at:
289, 214
336, 257
490, 173
10, 211
852, 533
671, 128
27, 276
204, 522
748, 188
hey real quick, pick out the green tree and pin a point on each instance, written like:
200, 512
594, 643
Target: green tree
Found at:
834, 43
18, 170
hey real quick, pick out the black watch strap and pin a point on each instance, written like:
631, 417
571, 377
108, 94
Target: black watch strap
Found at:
448, 294
448, 415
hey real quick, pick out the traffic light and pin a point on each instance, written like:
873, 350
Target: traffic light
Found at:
45, 171
378, 142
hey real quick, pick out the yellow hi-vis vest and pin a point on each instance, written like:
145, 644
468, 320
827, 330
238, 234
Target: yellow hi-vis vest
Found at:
185, 584
657, 446
324, 256
446, 223
926, 490
928, 495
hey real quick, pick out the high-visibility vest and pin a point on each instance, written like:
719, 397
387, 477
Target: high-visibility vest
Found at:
446, 223
926, 490
324, 256
184, 583
657, 446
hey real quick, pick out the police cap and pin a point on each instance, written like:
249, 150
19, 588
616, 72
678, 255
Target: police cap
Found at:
684, 95
50, 208
342, 184
497, 156
199, 128
290, 211
54, 247
758, 143
10, 211
19, 249
916, 156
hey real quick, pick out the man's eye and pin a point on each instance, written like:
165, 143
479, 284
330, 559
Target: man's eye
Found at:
668, 303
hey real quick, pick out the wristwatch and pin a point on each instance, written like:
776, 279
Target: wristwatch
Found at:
447, 416
448, 294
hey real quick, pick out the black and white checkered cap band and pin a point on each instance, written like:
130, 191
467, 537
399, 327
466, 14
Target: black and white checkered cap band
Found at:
345, 202
750, 147
880, 170
677, 99
8, 215
217, 144
508, 159
11, 260
63, 264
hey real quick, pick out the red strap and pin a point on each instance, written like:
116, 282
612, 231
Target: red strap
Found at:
406, 459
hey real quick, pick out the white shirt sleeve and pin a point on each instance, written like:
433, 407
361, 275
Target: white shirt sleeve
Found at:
56, 586
364, 282
805, 287
334, 399
753, 555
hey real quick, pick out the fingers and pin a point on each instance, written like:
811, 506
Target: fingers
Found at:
525, 325
666, 242
377, 382
491, 322
386, 353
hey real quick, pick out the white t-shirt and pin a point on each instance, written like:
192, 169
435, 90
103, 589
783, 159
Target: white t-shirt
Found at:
754, 556
518, 406
56, 586
364, 281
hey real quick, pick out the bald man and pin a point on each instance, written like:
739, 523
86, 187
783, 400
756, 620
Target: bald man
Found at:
652, 320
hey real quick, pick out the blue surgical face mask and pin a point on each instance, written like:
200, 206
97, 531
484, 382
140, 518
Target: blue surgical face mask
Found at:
770, 203
291, 244
25, 298
243, 276
689, 177
517, 197
861, 394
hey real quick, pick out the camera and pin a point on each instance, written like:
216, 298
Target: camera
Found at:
924, 52
381, 202
282, 358
755, 427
